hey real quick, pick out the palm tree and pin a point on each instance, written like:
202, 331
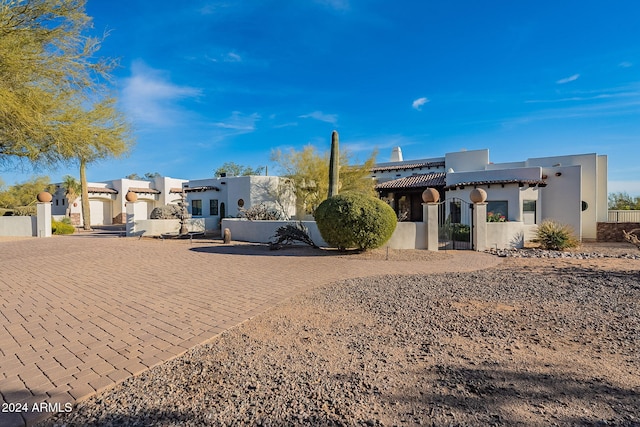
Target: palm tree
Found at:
71, 191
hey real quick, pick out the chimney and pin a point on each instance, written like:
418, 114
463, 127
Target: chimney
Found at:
396, 154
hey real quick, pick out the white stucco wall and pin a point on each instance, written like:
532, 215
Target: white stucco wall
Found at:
408, 235
463, 161
508, 165
593, 185
238, 187
531, 173
157, 227
18, 226
253, 190
122, 186
509, 235
263, 231
602, 194
164, 184
266, 189
561, 198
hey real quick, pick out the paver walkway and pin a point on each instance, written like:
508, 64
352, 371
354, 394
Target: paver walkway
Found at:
79, 314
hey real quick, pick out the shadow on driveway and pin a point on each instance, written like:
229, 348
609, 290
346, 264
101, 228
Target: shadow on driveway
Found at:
264, 250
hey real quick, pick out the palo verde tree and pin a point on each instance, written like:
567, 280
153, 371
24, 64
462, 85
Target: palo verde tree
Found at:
55, 100
234, 169
23, 194
104, 133
308, 171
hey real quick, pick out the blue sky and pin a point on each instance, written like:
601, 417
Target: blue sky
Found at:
206, 82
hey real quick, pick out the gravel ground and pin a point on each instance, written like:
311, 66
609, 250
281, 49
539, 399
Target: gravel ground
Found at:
532, 342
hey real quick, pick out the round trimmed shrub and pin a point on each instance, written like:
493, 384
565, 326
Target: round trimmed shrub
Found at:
354, 220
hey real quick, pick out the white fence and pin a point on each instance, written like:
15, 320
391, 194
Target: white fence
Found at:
623, 216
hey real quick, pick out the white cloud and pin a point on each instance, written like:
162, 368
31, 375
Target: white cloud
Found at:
568, 79
214, 7
418, 103
232, 57
383, 143
319, 115
226, 57
151, 98
239, 122
340, 5
625, 64
285, 125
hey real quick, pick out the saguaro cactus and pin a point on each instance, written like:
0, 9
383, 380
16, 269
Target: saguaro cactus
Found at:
334, 165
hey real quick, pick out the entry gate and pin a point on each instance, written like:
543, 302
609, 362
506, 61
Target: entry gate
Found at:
455, 224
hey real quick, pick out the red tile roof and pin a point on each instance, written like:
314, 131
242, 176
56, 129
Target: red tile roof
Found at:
521, 182
199, 189
144, 190
420, 165
436, 179
101, 190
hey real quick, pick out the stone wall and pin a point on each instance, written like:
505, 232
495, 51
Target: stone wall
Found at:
76, 219
121, 218
612, 231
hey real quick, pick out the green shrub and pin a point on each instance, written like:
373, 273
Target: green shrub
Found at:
24, 211
60, 227
555, 236
354, 220
454, 231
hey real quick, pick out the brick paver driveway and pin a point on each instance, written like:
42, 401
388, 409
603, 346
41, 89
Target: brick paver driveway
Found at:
81, 313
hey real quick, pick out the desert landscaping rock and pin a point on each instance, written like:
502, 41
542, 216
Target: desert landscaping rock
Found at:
506, 346
540, 253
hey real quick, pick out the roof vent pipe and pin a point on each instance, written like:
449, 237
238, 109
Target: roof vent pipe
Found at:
396, 154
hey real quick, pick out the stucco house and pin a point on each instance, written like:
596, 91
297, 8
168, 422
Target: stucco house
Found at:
107, 199
225, 196
571, 189
211, 199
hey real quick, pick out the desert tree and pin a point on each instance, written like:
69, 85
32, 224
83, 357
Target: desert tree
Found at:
308, 170
21, 196
56, 103
234, 169
623, 201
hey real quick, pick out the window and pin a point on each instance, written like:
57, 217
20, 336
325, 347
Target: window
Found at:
529, 212
213, 207
196, 207
496, 210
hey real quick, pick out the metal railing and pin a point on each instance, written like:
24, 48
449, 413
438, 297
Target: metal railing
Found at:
623, 216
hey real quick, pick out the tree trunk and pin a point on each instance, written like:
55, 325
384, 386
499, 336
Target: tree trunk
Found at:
86, 214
